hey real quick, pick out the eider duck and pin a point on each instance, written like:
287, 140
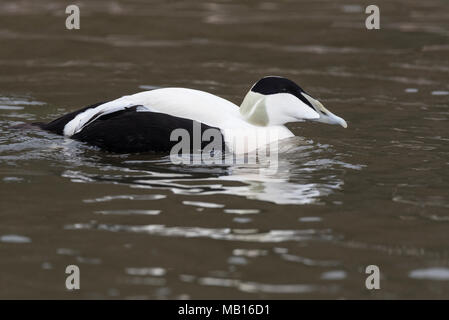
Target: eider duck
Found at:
145, 121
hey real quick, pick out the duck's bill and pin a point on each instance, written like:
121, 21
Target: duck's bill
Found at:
325, 115
332, 119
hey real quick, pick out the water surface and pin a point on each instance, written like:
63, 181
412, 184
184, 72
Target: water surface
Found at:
140, 227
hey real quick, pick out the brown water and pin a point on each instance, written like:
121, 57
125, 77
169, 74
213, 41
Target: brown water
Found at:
139, 227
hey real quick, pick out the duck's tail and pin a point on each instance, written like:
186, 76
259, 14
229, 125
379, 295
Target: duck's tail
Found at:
57, 125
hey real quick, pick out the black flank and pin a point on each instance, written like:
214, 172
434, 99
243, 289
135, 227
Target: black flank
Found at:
130, 131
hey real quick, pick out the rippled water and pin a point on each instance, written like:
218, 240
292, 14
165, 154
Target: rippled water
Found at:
140, 227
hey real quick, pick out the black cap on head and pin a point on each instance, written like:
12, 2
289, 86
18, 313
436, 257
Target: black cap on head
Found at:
273, 85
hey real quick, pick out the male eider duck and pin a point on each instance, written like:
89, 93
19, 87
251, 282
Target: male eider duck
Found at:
144, 121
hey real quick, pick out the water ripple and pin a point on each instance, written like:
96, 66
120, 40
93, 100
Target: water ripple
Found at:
245, 235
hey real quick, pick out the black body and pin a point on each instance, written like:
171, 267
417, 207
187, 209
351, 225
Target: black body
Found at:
129, 130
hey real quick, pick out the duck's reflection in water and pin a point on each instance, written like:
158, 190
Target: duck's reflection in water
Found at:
303, 173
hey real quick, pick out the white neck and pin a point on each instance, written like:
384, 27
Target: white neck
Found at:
253, 109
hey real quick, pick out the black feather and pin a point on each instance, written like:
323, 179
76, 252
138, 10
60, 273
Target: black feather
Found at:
130, 131
57, 125
273, 85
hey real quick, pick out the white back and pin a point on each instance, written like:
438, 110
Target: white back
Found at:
191, 104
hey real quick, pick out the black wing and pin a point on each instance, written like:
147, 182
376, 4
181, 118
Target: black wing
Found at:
130, 131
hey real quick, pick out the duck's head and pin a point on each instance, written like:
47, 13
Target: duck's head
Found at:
277, 101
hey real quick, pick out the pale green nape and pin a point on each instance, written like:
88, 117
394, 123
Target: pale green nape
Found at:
253, 109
